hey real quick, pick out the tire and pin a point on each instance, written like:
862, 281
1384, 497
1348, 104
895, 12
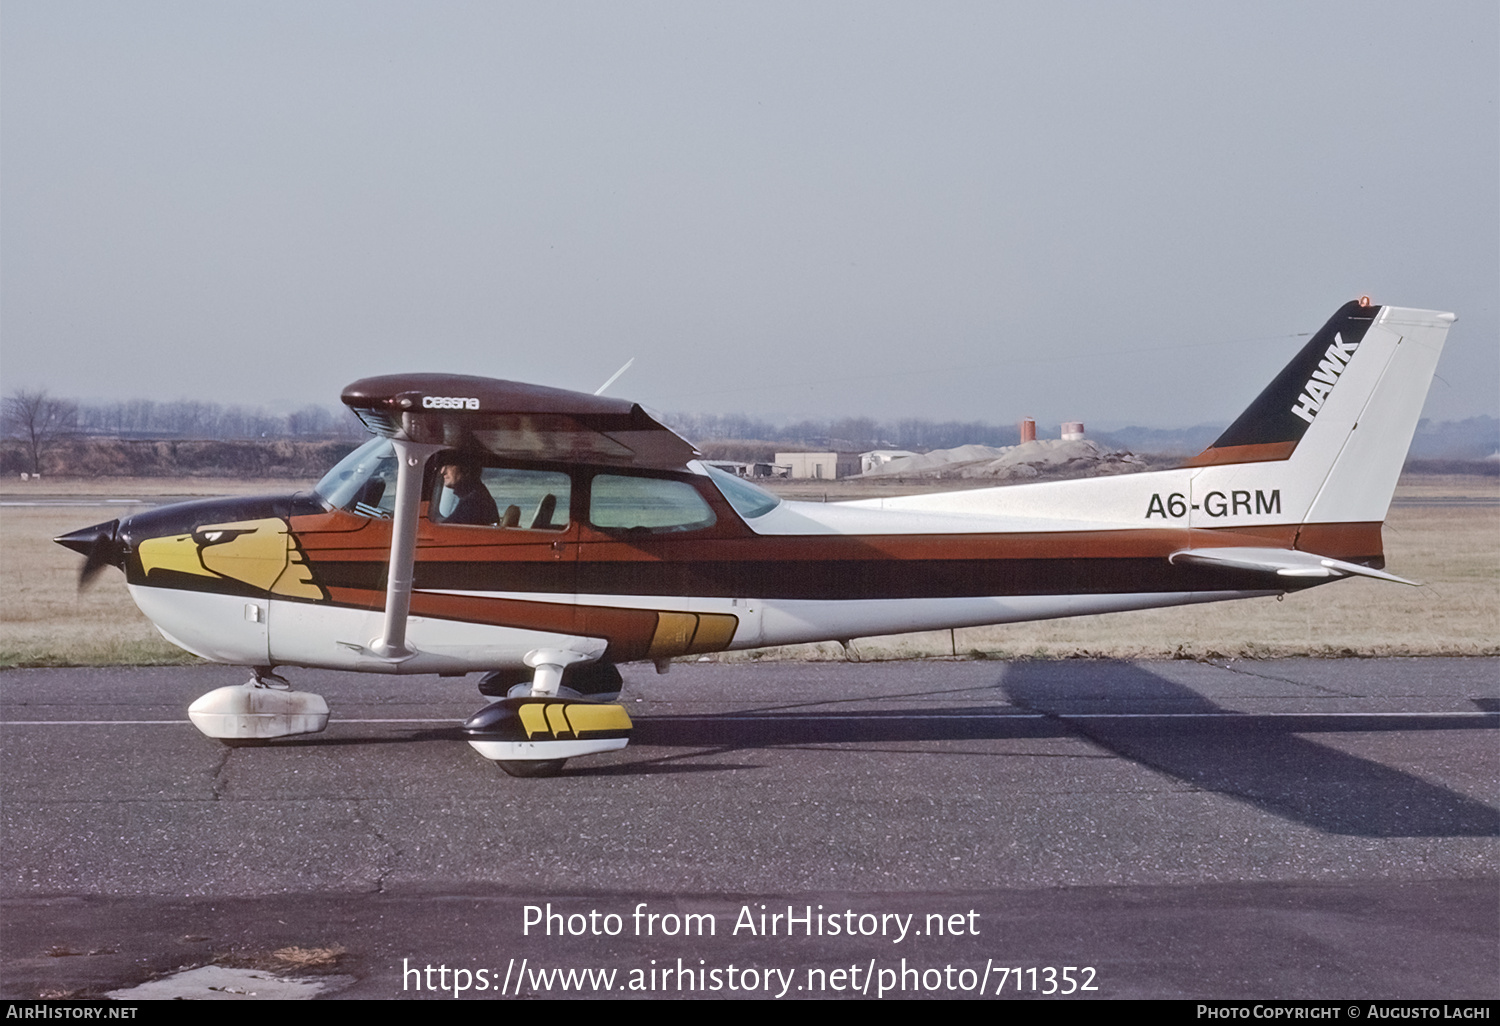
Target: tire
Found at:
532, 767
498, 683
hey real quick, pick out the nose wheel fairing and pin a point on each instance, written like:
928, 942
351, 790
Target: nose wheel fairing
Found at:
262, 708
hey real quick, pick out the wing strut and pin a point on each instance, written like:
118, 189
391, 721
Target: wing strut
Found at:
413, 458
614, 377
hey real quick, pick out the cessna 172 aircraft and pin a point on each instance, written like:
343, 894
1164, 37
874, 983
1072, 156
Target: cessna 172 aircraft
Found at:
542, 536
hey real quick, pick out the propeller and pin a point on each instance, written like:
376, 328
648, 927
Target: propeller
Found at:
99, 545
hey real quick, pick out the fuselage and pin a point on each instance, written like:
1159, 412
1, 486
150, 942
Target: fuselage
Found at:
659, 564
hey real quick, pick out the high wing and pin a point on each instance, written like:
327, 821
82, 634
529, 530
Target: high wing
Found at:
601, 539
510, 419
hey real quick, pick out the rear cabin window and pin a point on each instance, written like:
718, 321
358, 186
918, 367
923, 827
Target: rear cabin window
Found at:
650, 505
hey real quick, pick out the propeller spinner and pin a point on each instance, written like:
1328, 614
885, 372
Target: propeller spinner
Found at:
100, 546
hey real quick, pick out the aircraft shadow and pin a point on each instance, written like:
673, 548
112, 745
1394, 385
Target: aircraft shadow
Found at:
1259, 760
661, 766
401, 737
769, 729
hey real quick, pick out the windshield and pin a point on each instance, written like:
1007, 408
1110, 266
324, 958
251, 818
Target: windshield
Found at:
748, 500
364, 481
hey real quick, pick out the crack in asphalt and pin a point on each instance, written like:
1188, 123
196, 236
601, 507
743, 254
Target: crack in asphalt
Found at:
217, 778
1229, 665
395, 852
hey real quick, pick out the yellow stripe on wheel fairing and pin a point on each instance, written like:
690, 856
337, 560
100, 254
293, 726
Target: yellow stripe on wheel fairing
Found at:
534, 718
586, 717
548, 721
557, 719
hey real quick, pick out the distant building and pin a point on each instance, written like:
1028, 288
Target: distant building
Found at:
730, 467
878, 458
819, 465
748, 469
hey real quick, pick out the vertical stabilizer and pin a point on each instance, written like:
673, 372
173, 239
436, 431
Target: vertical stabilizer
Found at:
1328, 437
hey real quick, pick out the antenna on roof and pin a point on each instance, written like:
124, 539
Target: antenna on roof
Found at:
614, 377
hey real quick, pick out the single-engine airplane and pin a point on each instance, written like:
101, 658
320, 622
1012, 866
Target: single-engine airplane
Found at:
542, 537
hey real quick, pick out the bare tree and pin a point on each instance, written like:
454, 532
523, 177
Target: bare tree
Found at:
310, 420
39, 421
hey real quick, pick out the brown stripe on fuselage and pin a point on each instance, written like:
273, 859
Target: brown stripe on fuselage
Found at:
1353, 542
846, 567
821, 567
317, 532
357, 598
881, 568
1281, 536
629, 632
1264, 452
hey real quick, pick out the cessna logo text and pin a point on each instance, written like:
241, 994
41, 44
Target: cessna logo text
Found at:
449, 402
1324, 378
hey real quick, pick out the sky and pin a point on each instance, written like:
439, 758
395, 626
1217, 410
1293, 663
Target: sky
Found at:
1120, 213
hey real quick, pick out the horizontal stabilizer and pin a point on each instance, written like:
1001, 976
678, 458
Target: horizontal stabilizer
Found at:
1281, 562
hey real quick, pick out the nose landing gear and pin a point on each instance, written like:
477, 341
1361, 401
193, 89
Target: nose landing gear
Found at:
262, 708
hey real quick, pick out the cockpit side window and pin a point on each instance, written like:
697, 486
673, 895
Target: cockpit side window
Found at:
650, 505
532, 500
363, 482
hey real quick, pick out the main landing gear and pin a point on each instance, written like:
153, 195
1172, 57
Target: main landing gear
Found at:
564, 711
264, 707
539, 726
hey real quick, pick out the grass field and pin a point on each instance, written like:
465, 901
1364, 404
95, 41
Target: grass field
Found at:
1442, 531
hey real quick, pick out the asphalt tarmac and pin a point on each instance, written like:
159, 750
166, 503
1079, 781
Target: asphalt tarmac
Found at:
1270, 829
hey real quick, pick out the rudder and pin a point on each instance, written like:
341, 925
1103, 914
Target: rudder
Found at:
1341, 415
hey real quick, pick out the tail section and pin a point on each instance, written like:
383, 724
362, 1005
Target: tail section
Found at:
1326, 440
1307, 470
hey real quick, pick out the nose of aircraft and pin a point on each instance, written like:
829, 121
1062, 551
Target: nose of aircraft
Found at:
100, 546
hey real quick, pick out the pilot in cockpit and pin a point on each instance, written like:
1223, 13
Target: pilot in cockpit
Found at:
472, 502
